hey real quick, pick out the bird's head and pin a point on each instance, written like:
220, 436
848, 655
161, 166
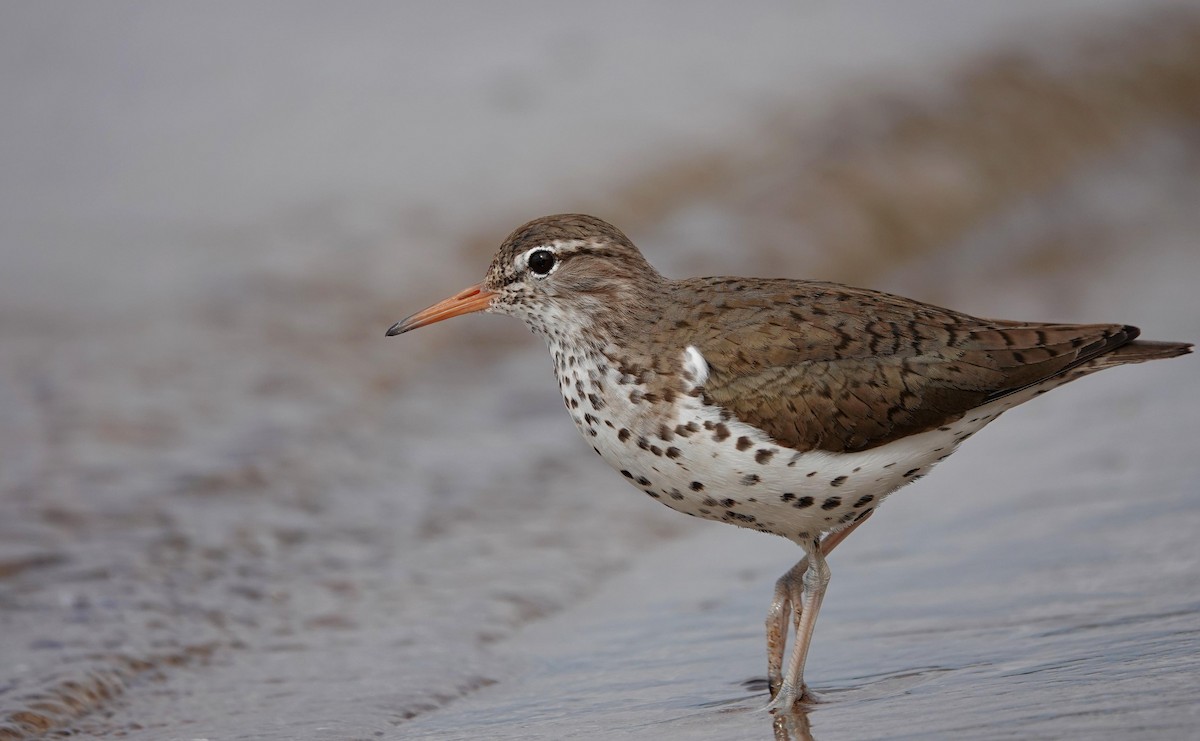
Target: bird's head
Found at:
558, 274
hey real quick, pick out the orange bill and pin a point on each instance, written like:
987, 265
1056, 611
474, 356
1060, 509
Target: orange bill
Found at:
464, 302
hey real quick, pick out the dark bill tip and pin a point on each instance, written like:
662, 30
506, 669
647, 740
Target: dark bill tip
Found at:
471, 299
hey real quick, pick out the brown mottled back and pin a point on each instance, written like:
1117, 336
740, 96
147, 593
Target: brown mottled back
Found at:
824, 366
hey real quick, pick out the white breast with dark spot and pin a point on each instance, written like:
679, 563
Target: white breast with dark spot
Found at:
697, 460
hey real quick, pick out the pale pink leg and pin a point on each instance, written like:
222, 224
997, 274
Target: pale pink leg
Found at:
798, 595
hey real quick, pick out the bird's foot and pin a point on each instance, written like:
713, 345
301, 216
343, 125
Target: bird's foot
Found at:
788, 698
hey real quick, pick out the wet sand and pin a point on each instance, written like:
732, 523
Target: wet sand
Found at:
230, 508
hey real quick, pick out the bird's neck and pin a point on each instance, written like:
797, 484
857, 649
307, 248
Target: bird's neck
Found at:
617, 343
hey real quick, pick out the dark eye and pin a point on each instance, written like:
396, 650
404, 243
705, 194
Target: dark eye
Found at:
541, 262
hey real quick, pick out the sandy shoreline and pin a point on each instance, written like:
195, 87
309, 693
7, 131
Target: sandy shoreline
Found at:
230, 508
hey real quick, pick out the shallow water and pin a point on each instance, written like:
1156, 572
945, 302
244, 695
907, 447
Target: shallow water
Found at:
229, 508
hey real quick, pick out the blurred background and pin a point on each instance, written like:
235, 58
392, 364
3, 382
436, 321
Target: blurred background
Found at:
230, 507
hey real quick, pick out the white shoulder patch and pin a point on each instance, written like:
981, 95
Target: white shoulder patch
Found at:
695, 367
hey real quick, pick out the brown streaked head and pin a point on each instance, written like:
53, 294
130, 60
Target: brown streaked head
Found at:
567, 266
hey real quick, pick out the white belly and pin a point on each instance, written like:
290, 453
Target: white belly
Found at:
695, 463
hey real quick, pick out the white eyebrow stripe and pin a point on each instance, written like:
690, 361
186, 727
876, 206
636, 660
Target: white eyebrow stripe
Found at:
560, 248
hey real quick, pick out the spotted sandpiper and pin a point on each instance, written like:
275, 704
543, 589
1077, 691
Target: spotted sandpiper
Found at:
791, 407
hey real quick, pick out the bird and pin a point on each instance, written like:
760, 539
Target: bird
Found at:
791, 407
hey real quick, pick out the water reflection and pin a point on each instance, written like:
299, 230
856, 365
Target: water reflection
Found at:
791, 725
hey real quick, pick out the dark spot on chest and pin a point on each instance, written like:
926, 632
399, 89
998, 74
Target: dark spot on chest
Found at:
744, 443
687, 430
838, 481
831, 503
763, 455
803, 502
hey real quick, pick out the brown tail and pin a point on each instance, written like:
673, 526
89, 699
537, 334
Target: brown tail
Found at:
1140, 351
1115, 345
